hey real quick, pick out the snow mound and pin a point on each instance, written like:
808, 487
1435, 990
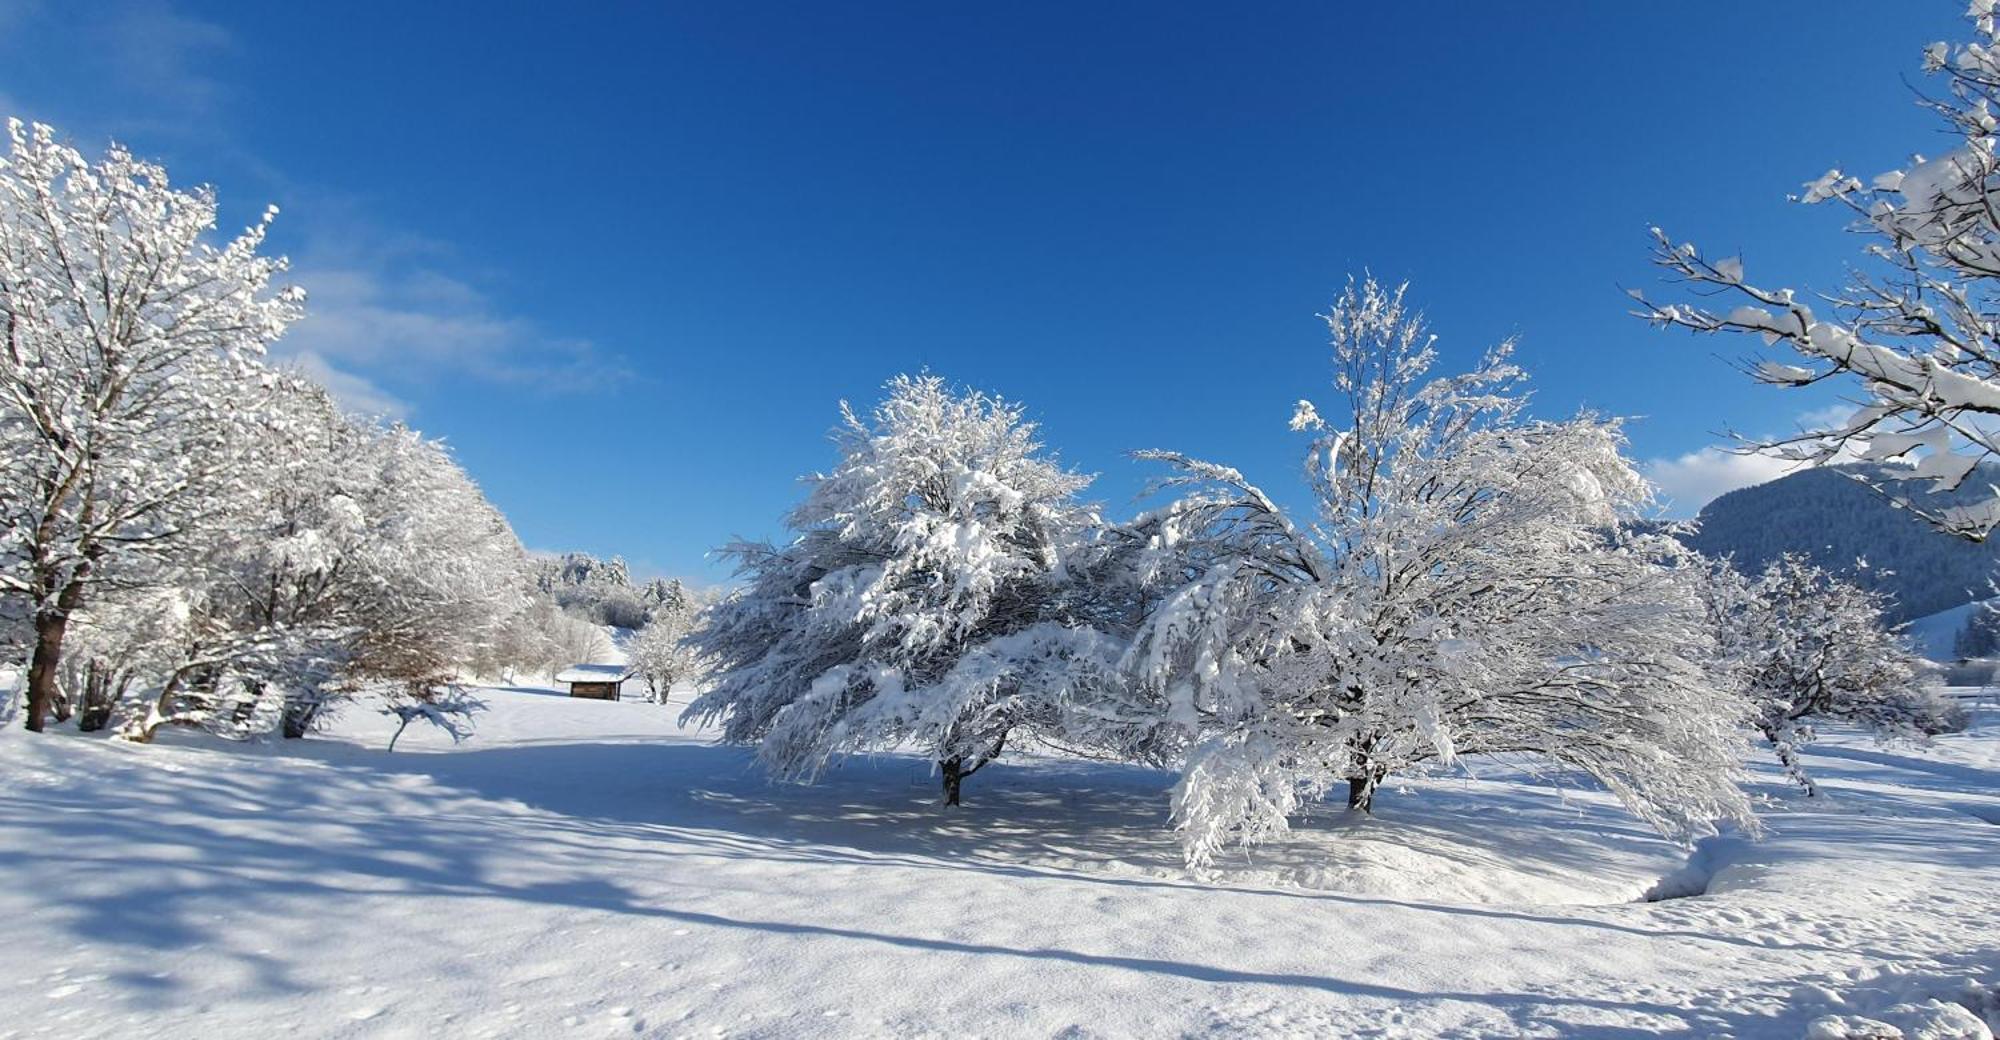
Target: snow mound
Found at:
1930, 1020
1385, 867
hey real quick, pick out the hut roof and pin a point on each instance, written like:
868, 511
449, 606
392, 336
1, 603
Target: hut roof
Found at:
577, 673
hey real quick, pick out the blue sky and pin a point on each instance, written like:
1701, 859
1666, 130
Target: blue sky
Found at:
651, 247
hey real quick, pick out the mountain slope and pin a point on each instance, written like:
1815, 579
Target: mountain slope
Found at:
1839, 523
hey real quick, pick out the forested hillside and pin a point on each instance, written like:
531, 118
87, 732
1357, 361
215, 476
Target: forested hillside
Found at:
602, 591
1846, 527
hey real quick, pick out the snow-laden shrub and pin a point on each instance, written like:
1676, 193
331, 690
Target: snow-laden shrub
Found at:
1806, 645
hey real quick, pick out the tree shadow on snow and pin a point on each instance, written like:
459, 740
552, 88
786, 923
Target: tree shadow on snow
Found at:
1049, 820
158, 863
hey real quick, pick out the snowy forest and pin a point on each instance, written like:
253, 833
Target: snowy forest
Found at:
1466, 619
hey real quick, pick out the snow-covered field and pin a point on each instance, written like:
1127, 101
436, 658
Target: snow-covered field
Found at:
583, 868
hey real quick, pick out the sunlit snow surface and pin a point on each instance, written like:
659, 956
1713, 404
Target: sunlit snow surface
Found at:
583, 868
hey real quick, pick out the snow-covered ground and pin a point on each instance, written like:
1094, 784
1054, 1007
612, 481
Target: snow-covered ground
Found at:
583, 868
1935, 635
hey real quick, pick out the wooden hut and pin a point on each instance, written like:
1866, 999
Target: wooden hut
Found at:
594, 681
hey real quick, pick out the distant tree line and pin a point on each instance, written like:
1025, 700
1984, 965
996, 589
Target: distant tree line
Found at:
602, 591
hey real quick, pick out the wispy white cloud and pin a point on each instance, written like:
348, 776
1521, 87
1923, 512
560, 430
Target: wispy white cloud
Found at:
154, 73
1831, 417
384, 311
389, 311
1688, 482
353, 392
167, 56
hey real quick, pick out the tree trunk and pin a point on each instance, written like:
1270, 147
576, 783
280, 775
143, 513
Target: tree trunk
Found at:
93, 717
100, 696
1361, 792
953, 771
1788, 757
241, 712
141, 731
299, 718
43, 692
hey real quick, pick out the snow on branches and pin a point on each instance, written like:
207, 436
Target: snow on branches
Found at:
1918, 331
130, 339
927, 598
1805, 645
199, 539
213, 538
1469, 586
365, 556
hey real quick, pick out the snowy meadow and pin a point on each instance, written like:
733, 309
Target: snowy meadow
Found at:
580, 868
1451, 735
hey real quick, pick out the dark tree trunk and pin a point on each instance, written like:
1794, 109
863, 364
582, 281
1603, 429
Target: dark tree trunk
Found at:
101, 690
953, 770
1361, 792
93, 717
299, 719
954, 773
43, 691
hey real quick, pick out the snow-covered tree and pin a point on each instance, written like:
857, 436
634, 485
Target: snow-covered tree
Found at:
1469, 586
542, 639
927, 597
364, 556
601, 591
572, 640
1806, 645
129, 340
1919, 325
264, 613
120, 642
1980, 636
661, 653
448, 572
